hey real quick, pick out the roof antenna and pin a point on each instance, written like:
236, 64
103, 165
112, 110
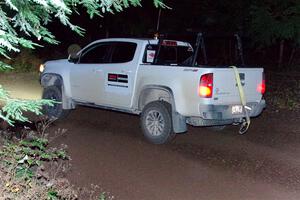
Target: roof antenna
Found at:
156, 35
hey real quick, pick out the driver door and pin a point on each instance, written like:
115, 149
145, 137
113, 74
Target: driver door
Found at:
86, 76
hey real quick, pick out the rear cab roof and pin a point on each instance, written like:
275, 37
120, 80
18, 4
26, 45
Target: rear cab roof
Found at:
143, 40
143, 43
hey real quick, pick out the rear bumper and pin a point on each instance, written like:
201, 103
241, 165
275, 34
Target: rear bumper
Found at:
221, 114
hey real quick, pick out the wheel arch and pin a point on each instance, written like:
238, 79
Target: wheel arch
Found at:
53, 79
153, 93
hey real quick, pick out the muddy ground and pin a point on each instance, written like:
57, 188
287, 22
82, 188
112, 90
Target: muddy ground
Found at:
107, 149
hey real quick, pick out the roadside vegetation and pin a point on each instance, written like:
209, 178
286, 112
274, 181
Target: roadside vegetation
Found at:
23, 62
23, 170
31, 167
283, 90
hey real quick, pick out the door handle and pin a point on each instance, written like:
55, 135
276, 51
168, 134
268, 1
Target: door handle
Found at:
126, 71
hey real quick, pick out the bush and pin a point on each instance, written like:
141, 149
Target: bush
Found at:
30, 169
283, 90
25, 61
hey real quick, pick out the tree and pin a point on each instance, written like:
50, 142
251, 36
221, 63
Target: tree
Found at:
22, 21
275, 21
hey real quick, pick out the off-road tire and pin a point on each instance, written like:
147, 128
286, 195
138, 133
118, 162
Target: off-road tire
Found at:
156, 122
56, 111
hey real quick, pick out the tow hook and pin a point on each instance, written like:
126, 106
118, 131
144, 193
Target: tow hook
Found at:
246, 121
244, 127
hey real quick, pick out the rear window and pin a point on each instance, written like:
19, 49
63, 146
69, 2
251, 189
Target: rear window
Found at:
169, 55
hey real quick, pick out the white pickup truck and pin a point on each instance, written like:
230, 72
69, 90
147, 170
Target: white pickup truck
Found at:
154, 80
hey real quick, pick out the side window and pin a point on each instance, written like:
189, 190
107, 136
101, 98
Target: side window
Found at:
96, 54
123, 52
168, 55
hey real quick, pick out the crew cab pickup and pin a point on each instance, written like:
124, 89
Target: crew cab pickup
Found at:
153, 79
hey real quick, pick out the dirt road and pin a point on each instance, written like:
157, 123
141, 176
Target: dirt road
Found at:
107, 148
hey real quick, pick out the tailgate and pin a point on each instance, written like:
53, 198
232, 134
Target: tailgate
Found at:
225, 88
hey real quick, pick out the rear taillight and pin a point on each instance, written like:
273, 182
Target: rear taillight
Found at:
206, 85
170, 43
261, 87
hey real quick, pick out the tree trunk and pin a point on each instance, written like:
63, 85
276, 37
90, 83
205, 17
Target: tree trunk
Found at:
280, 54
292, 56
106, 32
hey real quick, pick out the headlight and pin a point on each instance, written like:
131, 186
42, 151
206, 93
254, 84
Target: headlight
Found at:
41, 68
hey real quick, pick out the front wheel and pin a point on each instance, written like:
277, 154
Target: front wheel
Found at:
156, 122
55, 111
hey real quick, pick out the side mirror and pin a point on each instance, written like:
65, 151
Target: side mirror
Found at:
73, 58
73, 53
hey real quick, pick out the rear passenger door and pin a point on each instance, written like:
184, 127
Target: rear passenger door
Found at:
120, 74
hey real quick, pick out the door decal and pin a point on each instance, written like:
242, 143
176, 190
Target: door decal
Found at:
115, 85
121, 78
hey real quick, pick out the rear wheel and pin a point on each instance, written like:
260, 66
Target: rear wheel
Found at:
55, 111
156, 122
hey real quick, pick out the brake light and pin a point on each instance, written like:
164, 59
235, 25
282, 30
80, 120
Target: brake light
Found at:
261, 88
206, 85
169, 43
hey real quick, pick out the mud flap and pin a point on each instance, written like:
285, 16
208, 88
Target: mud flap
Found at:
179, 122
